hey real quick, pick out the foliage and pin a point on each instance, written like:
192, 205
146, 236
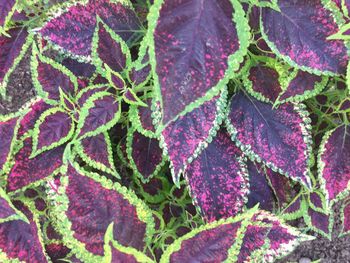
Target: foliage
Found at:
173, 131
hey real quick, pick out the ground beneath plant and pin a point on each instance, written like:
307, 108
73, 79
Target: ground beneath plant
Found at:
20, 90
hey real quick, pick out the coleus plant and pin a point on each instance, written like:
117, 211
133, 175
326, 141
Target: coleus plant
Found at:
221, 96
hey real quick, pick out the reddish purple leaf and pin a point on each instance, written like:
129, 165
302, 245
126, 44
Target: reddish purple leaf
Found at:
86, 93
10, 48
7, 135
26, 171
217, 179
334, 163
101, 115
140, 76
79, 23
117, 81
280, 137
346, 218
299, 33
79, 69
92, 205
144, 154
186, 137
319, 222
259, 188
19, 239
141, 118
57, 252
197, 45
6, 208
6, 7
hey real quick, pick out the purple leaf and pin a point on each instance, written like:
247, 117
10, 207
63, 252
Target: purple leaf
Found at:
26, 171
79, 22
218, 179
96, 151
334, 163
89, 204
319, 222
53, 128
139, 77
6, 207
19, 239
197, 46
8, 130
345, 214
280, 138
144, 154
87, 92
57, 252
259, 188
6, 9
78, 68
295, 209
299, 35
99, 113
116, 80
130, 97
186, 137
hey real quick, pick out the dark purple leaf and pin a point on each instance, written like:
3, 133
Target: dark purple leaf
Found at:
139, 77
57, 252
79, 69
144, 154
186, 137
87, 92
8, 130
6, 207
299, 34
6, 8
91, 204
218, 179
117, 81
319, 222
54, 128
334, 163
280, 137
130, 97
197, 46
346, 218
73, 29
141, 118
26, 171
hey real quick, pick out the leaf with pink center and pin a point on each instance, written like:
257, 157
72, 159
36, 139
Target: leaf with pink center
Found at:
53, 128
79, 22
185, 138
49, 77
345, 216
195, 48
145, 155
86, 204
334, 163
278, 137
27, 171
99, 113
7, 7
109, 51
97, 152
20, 238
218, 179
298, 34
8, 134
12, 50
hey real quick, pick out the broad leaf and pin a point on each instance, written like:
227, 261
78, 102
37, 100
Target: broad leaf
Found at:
218, 179
79, 69
12, 50
20, 239
73, 29
99, 113
49, 77
7, 8
334, 163
298, 34
96, 151
53, 128
87, 204
184, 139
280, 138
27, 171
145, 155
195, 48
8, 133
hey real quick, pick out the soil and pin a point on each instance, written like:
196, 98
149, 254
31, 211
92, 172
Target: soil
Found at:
20, 90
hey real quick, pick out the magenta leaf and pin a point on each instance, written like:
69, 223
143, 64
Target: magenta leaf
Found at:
196, 47
7, 7
49, 77
27, 171
86, 204
280, 138
186, 137
345, 215
8, 134
20, 239
12, 50
145, 155
218, 179
109, 50
53, 128
298, 34
99, 113
334, 163
96, 151
79, 22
